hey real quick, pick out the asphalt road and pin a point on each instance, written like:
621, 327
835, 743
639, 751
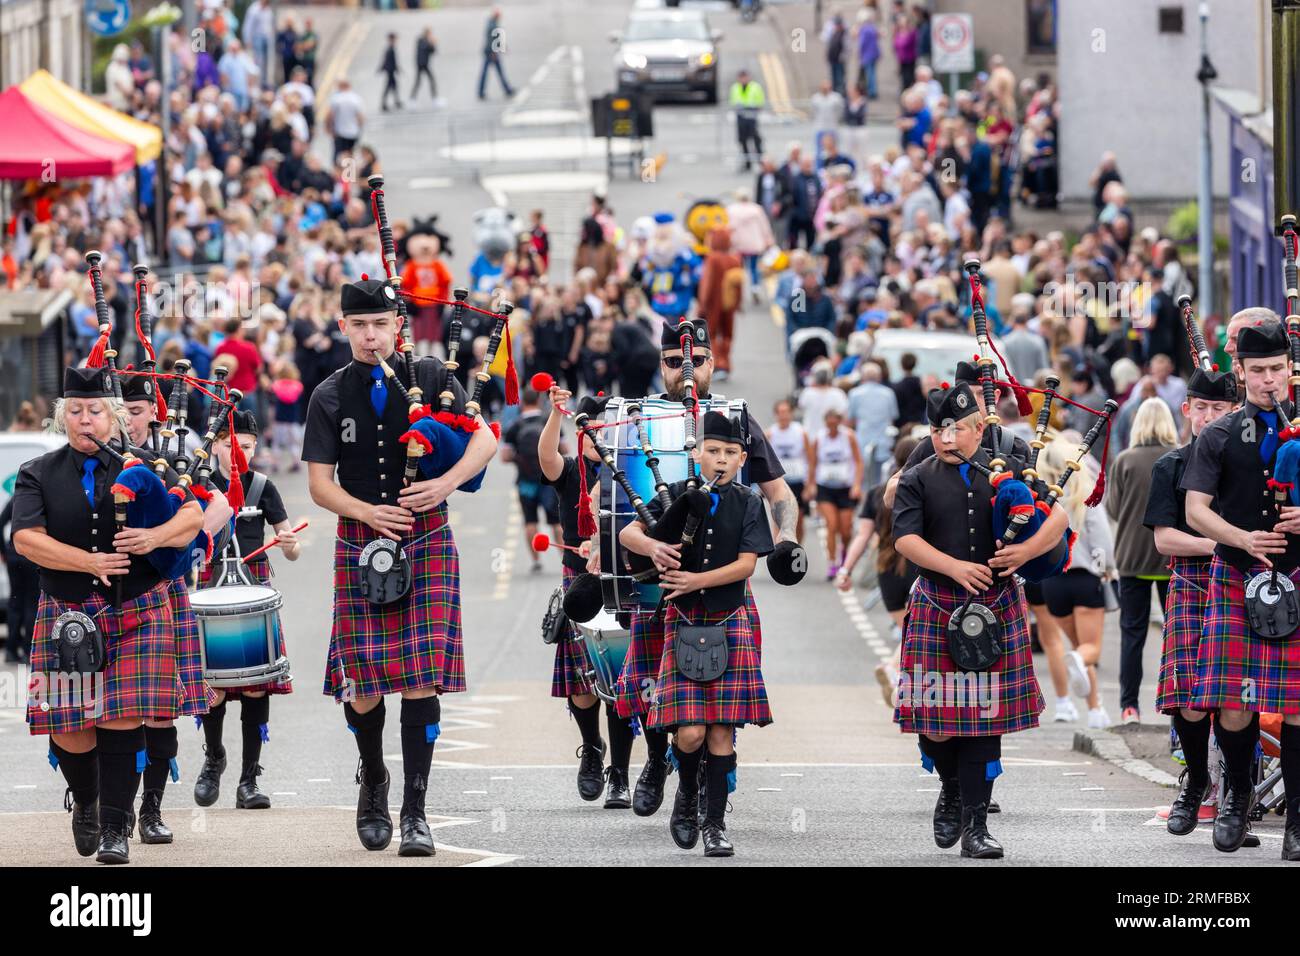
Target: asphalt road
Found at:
831, 781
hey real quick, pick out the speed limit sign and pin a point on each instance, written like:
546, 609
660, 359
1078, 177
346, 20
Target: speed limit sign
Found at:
952, 43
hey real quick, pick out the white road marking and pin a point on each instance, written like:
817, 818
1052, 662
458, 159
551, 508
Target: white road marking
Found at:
474, 793
318, 779
792, 775
1091, 789
284, 793
24, 786
769, 790
1076, 773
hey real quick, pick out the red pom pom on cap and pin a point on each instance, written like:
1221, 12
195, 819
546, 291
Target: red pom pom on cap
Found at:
541, 382
944, 385
601, 393
364, 277
541, 542
1214, 367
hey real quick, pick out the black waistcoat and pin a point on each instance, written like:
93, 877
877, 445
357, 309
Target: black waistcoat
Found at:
958, 519
717, 544
372, 461
71, 519
1244, 497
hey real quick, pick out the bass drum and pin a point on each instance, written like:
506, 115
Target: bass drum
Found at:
665, 428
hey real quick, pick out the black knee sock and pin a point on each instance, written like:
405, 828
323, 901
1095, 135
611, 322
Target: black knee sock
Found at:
688, 769
716, 769
588, 719
160, 744
1194, 735
122, 758
978, 765
81, 771
420, 719
620, 739
368, 728
254, 712
1291, 771
1238, 748
213, 721
656, 743
941, 755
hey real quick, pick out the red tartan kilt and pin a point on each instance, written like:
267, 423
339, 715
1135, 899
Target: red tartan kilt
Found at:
755, 624
738, 697
636, 682
570, 658
1189, 589
925, 660
412, 644
1234, 669
199, 697
140, 679
259, 569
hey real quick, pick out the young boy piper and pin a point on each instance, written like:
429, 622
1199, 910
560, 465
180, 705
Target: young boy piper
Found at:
1210, 396
255, 704
943, 523
1240, 674
704, 585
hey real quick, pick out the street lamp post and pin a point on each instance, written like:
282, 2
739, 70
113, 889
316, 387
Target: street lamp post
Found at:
1205, 197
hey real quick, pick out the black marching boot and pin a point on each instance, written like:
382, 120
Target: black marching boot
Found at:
1233, 822
249, 796
715, 840
591, 770
417, 840
947, 814
374, 822
152, 828
114, 829
85, 823
684, 825
617, 796
975, 839
1184, 814
207, 788
649, 794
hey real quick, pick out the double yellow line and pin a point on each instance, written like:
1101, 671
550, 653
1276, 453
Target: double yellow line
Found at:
353, 38
774, 79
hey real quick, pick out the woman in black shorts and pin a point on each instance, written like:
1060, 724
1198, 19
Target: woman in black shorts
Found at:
835, 480
1075, 598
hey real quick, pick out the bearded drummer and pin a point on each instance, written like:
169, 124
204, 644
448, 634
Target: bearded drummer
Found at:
645, 652
262, 499
411, 645
97, 585
139, 394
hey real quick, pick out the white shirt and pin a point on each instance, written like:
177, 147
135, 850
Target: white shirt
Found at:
305, 93
834, 459
345, 110
788, 443
815, 402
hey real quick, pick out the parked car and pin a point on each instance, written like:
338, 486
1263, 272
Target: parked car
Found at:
937, 352
667, 52
16, 449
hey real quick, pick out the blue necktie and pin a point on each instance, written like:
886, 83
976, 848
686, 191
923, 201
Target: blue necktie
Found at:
378, 391
88, 478
965, 473
713, 508
1269, 444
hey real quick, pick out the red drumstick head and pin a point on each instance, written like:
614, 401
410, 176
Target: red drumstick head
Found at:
541, 542
541, 382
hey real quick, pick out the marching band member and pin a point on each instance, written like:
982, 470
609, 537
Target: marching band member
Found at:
255, 703
957, 556
562, 473
139, 393
1210, 396
1240, 674
411, 645
702, 709
97, 585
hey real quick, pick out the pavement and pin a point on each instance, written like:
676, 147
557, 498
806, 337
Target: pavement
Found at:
831, 781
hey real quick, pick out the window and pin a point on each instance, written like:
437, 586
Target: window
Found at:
1171, 20
1040, 27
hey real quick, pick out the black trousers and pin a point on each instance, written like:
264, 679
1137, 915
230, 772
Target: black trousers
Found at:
24, 593
801, 227
1134, 623
390, 87
747, 133
433, 85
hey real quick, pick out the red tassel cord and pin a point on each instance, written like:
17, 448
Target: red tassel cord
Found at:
512, 378
238, 465
1099, 489
586, 520
96, 357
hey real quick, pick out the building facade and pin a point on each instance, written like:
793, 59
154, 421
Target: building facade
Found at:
37, 34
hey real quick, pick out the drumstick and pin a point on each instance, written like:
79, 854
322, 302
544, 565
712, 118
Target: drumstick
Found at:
543, 541
269, 545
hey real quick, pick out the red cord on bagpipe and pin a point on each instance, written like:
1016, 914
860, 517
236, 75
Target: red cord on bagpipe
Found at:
1022, 399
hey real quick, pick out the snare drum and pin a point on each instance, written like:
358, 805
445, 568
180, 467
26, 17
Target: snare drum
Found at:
665, 427
605, 643
239, 633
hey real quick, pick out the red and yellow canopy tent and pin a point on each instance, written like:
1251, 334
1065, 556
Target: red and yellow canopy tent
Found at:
91, 116
38, 145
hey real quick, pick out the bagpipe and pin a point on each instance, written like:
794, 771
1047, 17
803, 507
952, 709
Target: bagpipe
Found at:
437, 437
973, 632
